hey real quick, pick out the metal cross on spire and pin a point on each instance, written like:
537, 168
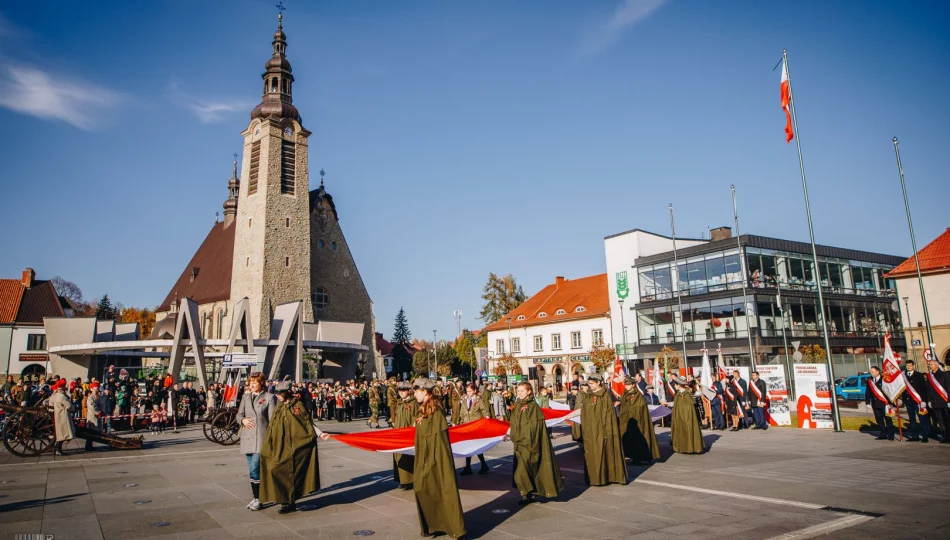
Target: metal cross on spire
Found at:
280, 8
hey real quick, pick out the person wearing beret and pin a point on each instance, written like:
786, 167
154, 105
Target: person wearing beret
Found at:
289, 466
434, 486
636, 426
685, 432
403, 413
603, 453
62, 417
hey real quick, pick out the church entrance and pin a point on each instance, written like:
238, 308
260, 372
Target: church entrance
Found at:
540, 372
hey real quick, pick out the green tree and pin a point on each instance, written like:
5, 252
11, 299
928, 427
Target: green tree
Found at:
465, 349
401, 334
422, 362
501, 296
105, 310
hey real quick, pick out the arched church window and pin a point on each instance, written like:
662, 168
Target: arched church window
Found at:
273, 84
321, 298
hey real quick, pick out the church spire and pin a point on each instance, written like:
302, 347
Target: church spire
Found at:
230, 205
277, 97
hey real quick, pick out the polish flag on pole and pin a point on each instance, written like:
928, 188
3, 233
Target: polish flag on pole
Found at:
705, 376
786, 100
720, 365
893, 377
619, 371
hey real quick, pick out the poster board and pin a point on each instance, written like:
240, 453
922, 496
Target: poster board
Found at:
779, 413
814, 396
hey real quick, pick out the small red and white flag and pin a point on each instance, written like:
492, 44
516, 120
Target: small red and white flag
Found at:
786, 100
619, 371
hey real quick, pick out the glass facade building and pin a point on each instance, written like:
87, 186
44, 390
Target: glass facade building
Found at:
699, 298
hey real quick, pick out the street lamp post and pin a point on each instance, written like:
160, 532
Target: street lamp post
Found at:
435, 353
623, 329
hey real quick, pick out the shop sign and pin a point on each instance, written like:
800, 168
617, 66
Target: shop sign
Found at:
34, 358
581, 358
546, 360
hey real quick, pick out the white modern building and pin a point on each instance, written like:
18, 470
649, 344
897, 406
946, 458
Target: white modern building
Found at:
552, 333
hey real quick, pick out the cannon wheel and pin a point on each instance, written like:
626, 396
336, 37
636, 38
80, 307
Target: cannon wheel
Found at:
29, 434
223, 428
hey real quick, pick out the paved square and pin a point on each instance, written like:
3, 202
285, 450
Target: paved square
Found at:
784, 483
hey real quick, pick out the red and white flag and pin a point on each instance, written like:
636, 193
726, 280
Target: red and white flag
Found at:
893, 381
619, 371
720, 365
786, 101
467, 440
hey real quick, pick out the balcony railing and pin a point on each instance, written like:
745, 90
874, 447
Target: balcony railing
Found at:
721, 334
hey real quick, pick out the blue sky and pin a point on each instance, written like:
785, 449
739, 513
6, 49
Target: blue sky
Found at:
461, 138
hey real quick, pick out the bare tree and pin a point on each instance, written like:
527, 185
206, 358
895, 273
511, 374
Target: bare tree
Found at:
68, 290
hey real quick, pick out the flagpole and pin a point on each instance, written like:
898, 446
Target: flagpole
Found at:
836, 414
679, 297
742, 265
913, 244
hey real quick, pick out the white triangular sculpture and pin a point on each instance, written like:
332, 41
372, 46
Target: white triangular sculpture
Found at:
286, 326
187, 327
240, 330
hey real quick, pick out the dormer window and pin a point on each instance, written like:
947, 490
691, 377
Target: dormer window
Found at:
579, 309
542, 315
520, 317
560, 312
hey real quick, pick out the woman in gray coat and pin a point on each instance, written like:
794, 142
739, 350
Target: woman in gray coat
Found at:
62, 419
257, 407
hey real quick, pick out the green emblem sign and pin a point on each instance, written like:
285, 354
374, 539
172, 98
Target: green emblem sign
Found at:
623, 290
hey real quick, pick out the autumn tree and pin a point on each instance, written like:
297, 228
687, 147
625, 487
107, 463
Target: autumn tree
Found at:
144, 317
813, 354
603, 357
668, 359
501, 295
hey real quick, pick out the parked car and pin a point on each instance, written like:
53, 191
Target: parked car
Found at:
853, 388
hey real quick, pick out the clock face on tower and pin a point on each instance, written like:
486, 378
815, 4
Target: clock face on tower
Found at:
288, 131
257, 130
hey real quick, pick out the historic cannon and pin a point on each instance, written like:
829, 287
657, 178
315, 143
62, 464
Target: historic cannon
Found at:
221, 426
30, 432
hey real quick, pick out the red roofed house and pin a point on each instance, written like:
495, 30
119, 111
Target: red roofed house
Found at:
24, 303
552, 333
935, 271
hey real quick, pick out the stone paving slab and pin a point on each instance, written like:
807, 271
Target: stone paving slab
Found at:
197, 489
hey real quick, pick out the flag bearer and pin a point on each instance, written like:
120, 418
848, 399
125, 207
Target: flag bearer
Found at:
875, 398
603, 453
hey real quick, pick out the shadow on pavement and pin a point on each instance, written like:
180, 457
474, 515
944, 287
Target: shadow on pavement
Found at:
35, 503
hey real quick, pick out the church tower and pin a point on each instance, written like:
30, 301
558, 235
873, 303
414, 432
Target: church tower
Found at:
272, 237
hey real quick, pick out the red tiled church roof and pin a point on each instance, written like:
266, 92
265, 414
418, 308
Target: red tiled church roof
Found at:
213, 260
564, 294
934, 257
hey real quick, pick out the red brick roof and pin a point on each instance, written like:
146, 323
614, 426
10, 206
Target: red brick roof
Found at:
564, 294
11, 292
213, 261
384, 347
934, 258
28, 305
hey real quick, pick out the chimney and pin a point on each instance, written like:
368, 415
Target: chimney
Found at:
558, 281
28, 276
720, 233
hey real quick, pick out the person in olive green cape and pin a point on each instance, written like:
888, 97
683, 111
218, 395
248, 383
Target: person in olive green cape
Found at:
437, 494
636, 427
536, 471
405, 411
576, 427
685, 432
603, 454
289, 466
484, 393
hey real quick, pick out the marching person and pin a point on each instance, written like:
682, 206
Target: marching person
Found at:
574, 402
93, 413
917, 404
373, 394
758, 401
733, 405
536, 472
472, 409
437, 496
289, 466
403, 413
878, 402
685, 432
938, 382
62, 416
742, 395
603, 453
636, 426
254, 414
454, 393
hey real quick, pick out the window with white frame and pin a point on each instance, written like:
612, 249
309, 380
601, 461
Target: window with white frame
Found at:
575, 340
538, 343
500, 346
597, 337
516, 345
555, 342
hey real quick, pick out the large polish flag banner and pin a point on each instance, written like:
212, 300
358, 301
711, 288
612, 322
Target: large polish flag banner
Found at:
467, 440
